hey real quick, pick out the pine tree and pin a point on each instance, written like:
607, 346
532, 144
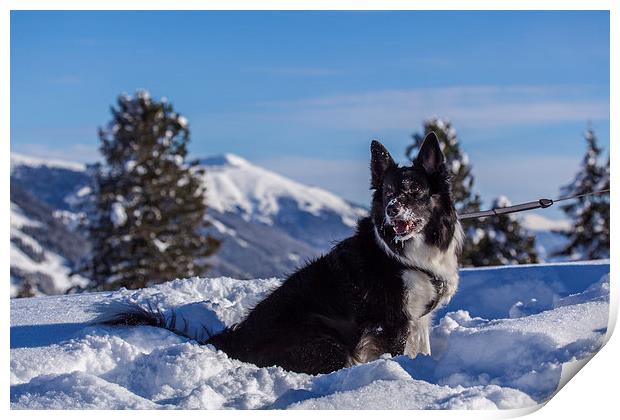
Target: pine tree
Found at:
588, 237
482, 244
603, 207
501, 240
456, 160
148, 219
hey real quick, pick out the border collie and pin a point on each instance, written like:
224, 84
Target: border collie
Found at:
373, 293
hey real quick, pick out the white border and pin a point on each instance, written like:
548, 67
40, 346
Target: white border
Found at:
592, 394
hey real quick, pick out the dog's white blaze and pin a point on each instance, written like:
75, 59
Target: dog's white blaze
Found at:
419, 291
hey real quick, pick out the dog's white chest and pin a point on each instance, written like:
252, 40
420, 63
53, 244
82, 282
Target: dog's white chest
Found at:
419, 293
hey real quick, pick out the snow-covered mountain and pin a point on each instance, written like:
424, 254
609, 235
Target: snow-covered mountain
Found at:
268, 224
50, 181
234, 184
309, 214
19, 160
43, 248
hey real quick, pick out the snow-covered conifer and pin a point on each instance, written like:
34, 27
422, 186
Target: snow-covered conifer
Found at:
500, 240
588, 237
148, 220
457, 161
487, 241
603, 207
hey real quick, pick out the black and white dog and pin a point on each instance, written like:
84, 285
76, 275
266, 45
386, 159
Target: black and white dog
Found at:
374, 293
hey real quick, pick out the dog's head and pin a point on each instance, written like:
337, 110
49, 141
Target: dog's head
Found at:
412, 201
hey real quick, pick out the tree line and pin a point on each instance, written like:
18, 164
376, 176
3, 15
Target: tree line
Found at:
501, 240
146, 209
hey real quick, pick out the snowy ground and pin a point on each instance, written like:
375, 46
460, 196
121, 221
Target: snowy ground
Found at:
503, 342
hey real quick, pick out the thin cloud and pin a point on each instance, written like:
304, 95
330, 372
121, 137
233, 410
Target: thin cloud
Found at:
493, 106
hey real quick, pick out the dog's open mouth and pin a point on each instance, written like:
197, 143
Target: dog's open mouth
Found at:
403, 227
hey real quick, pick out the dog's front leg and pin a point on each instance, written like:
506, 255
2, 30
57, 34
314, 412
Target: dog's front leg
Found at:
418, 338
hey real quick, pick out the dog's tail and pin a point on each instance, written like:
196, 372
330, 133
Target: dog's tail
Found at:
196, 321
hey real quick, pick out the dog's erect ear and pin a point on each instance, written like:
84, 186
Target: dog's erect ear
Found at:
430, 155
380, 161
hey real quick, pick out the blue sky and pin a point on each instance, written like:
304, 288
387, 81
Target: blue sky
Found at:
303, 93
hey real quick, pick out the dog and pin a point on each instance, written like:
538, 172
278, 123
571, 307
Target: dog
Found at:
373, 293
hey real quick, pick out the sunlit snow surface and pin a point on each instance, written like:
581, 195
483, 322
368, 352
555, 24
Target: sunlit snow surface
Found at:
501, 343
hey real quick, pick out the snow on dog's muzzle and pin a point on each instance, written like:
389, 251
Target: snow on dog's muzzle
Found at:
403, 227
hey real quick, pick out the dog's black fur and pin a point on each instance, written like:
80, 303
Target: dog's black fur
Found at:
350, 306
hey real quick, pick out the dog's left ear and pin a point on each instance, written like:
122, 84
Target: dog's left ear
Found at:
430, 155
380, 161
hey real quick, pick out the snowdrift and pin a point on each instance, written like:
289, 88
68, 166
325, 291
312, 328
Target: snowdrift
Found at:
506, 341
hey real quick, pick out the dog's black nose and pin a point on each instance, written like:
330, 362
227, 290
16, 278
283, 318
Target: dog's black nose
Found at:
392, 210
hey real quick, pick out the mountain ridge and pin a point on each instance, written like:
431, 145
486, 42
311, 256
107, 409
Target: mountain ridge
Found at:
268, 224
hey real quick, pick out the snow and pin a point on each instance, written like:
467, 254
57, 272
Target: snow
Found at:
182, 121
177, 159
234, 184
52, 265
70, 219
220, 227
130, 164
477, 236
143, 94
533, 221
118, 216
482, 357
19, 219
18, 160
160, 245
502, 201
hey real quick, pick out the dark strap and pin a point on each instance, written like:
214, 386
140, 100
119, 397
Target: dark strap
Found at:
438, 283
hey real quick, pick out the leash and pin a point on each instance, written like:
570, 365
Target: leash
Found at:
543, 203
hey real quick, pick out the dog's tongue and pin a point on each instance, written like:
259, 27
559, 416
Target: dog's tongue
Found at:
401, 226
